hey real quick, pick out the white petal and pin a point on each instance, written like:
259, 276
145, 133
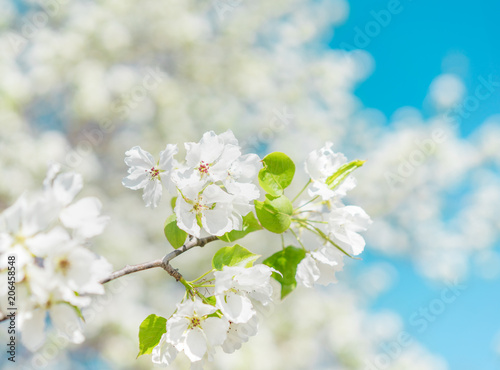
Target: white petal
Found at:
167, 157
84, 217
164, 353
235, 307
214, 194
152, 193
246, 167
239, 333
195, 345
67, 322
211, 147
52, 171
136, 157
215, 330
202, 309
136, 180
51, 242
66, 186
186, 217
32, 329
220, 170
228, 138
356, 243
217, 221
307, 272
176, 326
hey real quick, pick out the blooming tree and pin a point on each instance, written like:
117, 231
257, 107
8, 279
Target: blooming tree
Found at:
214, 196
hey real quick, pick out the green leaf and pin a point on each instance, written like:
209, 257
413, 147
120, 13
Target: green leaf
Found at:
250, 224
211, 300
277, 173
274, 213
175, 236
233, 256
340, 175
286, 261
173, 201
150, 332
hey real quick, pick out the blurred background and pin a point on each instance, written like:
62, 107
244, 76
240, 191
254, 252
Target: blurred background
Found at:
410, 86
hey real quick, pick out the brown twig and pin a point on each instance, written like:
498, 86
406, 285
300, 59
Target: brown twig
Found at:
164, 262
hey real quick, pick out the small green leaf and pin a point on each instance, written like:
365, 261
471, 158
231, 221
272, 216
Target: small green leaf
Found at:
341, 174
77, 309
277, 173
175, 236
233, 256
274, 213
286, 262
150, 332
250, 224
211, 300
173, 201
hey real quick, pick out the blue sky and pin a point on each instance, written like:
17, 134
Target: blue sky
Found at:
412, 49
420, 42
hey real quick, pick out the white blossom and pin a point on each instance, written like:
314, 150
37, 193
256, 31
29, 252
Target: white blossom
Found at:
145, 173
238, 334
211, 159
244, 169
319, 267
320, 165
191, 330
54, 271
164, 353
238, 290
211, 208
41, 295
344, 224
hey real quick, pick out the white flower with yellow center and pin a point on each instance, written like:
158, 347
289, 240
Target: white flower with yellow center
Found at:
192, 331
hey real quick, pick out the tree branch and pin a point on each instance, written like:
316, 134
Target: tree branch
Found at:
164, 262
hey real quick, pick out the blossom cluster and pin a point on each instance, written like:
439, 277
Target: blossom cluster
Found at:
336, 224
214, 194
213, 186
197, 328
43, 240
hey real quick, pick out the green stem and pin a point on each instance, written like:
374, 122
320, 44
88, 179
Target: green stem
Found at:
188, 286
201, 277
203, 298
305, 220
305, 204
324, 236
298, 239
300, 192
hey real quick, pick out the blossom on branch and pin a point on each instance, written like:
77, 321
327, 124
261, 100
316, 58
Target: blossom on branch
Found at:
344, 224
239, 291
192, 331
319, 267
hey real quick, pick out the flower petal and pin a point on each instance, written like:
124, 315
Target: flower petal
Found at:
195, 345
215, 330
